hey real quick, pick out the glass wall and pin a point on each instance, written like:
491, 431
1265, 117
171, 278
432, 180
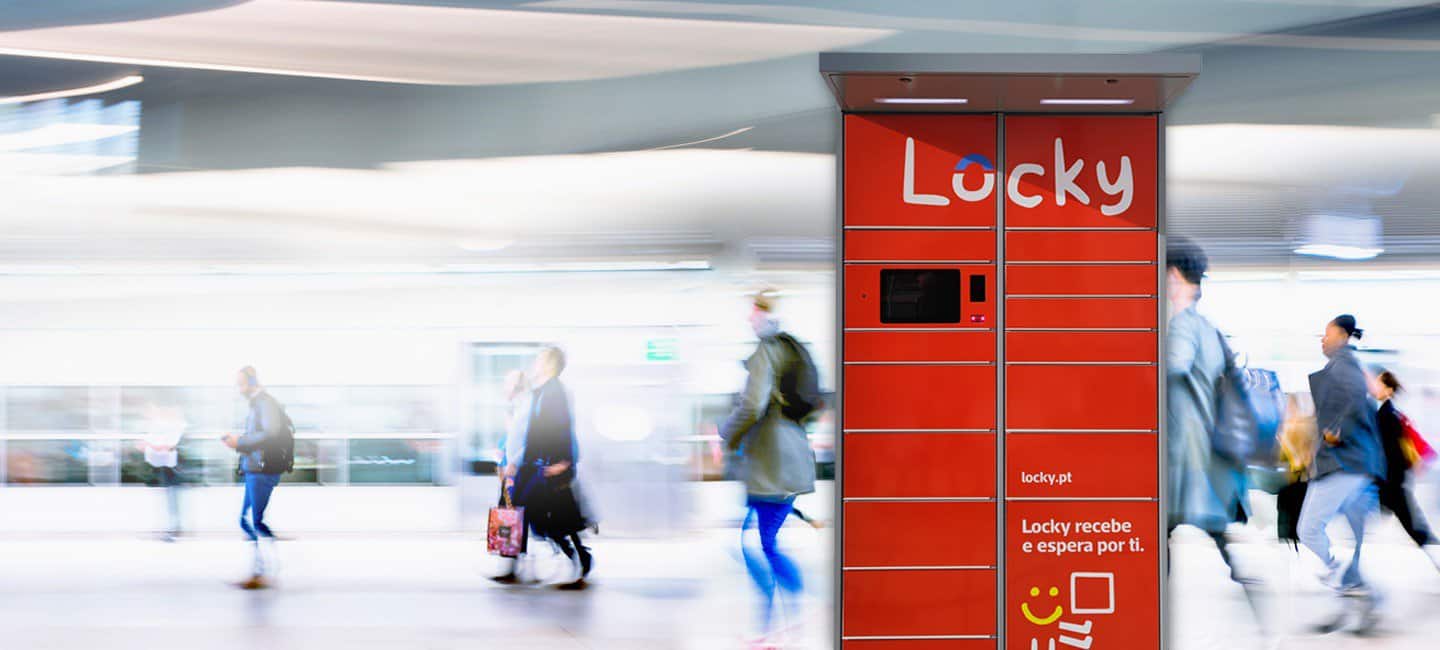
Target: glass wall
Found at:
59, 435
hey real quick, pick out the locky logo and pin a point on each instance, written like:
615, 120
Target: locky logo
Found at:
1122, 188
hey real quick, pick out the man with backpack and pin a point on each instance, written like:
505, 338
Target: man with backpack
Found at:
267, 450
765, 429
1205, 448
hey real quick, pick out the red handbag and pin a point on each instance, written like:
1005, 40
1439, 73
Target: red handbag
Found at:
505, 533
1417, 450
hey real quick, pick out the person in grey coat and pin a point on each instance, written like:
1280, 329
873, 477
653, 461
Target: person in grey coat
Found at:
778, 461
1206, 490
1349, 463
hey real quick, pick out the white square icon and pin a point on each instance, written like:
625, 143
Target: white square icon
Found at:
1076, 578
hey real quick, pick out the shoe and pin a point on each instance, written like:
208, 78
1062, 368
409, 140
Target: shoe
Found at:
1355, 591
254, 583
507, 579
1331, 576
578, 585
587, 562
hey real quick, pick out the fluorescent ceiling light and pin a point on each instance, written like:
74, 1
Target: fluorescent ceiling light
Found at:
55, 135
1339, 252
921, 100
123, 82
485, 245
1340, 236
1061, 101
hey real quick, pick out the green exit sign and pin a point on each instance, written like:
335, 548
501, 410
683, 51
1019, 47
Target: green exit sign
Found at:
661, 349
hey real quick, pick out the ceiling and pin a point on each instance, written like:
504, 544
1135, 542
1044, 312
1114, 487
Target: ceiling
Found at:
380, 132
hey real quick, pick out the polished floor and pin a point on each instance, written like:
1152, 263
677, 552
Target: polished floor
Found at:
429, 592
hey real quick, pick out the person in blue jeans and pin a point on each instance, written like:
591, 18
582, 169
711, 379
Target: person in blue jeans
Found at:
264, 457
778, 463
1349, 462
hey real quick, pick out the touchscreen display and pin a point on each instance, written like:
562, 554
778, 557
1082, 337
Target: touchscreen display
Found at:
919, 296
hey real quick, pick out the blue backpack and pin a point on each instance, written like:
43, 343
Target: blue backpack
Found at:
1249, 409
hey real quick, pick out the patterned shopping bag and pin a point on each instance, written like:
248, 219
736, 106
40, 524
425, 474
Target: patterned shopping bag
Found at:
505, 535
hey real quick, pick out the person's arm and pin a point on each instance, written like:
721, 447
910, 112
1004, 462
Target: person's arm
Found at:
753, 401
553, 420
267, 425
1342, 395
1181, 348
515, 434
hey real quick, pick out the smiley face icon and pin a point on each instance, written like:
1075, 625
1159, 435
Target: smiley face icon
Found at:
1055, 615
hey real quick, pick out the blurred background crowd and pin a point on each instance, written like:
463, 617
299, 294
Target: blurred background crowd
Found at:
388, 206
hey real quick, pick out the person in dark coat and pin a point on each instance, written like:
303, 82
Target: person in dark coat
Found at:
544, 481
1395, 494
1206, 490
1349, 463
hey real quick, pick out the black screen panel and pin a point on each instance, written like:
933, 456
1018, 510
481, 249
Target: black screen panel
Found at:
919, 296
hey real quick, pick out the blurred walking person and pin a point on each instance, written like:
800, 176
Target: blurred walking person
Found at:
1395, 494
267, 451
1207, 490
163, 430
512, 448
544, 481
778, 463
1349, 462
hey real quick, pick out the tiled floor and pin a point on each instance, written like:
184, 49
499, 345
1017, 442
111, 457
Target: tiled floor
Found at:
684, 593
357, 593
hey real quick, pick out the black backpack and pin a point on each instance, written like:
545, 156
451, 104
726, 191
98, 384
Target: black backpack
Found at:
798, 382
1235, 434
279, 453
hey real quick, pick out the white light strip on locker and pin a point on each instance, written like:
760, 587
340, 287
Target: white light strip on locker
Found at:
1080, 263
1079, 363
1078, 229
919, 329
1120, 499
1079, 329
1079, 431
1078, 296
919, 261
919, 431
930, 637
919, 363
920, 499
971, 228
974, 567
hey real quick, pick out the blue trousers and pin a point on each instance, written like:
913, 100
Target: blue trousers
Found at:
770, 569
1354, 496
252, 513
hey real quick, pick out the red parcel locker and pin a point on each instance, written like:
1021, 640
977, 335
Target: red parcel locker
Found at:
1076, 205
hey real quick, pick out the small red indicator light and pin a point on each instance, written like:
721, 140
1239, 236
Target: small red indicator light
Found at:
977, 318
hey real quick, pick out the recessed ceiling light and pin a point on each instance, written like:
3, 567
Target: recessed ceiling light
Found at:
1063, 101
921, 100
1339, 252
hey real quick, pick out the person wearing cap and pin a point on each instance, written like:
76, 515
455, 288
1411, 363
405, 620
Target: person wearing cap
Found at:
1207, 491
1349, 461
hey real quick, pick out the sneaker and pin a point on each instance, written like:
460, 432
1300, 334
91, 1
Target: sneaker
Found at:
506, 579
1331, 576
1355, 591
254, 583
578, 585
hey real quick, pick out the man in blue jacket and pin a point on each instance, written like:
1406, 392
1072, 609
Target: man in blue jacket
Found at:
266, 451
1349, 463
